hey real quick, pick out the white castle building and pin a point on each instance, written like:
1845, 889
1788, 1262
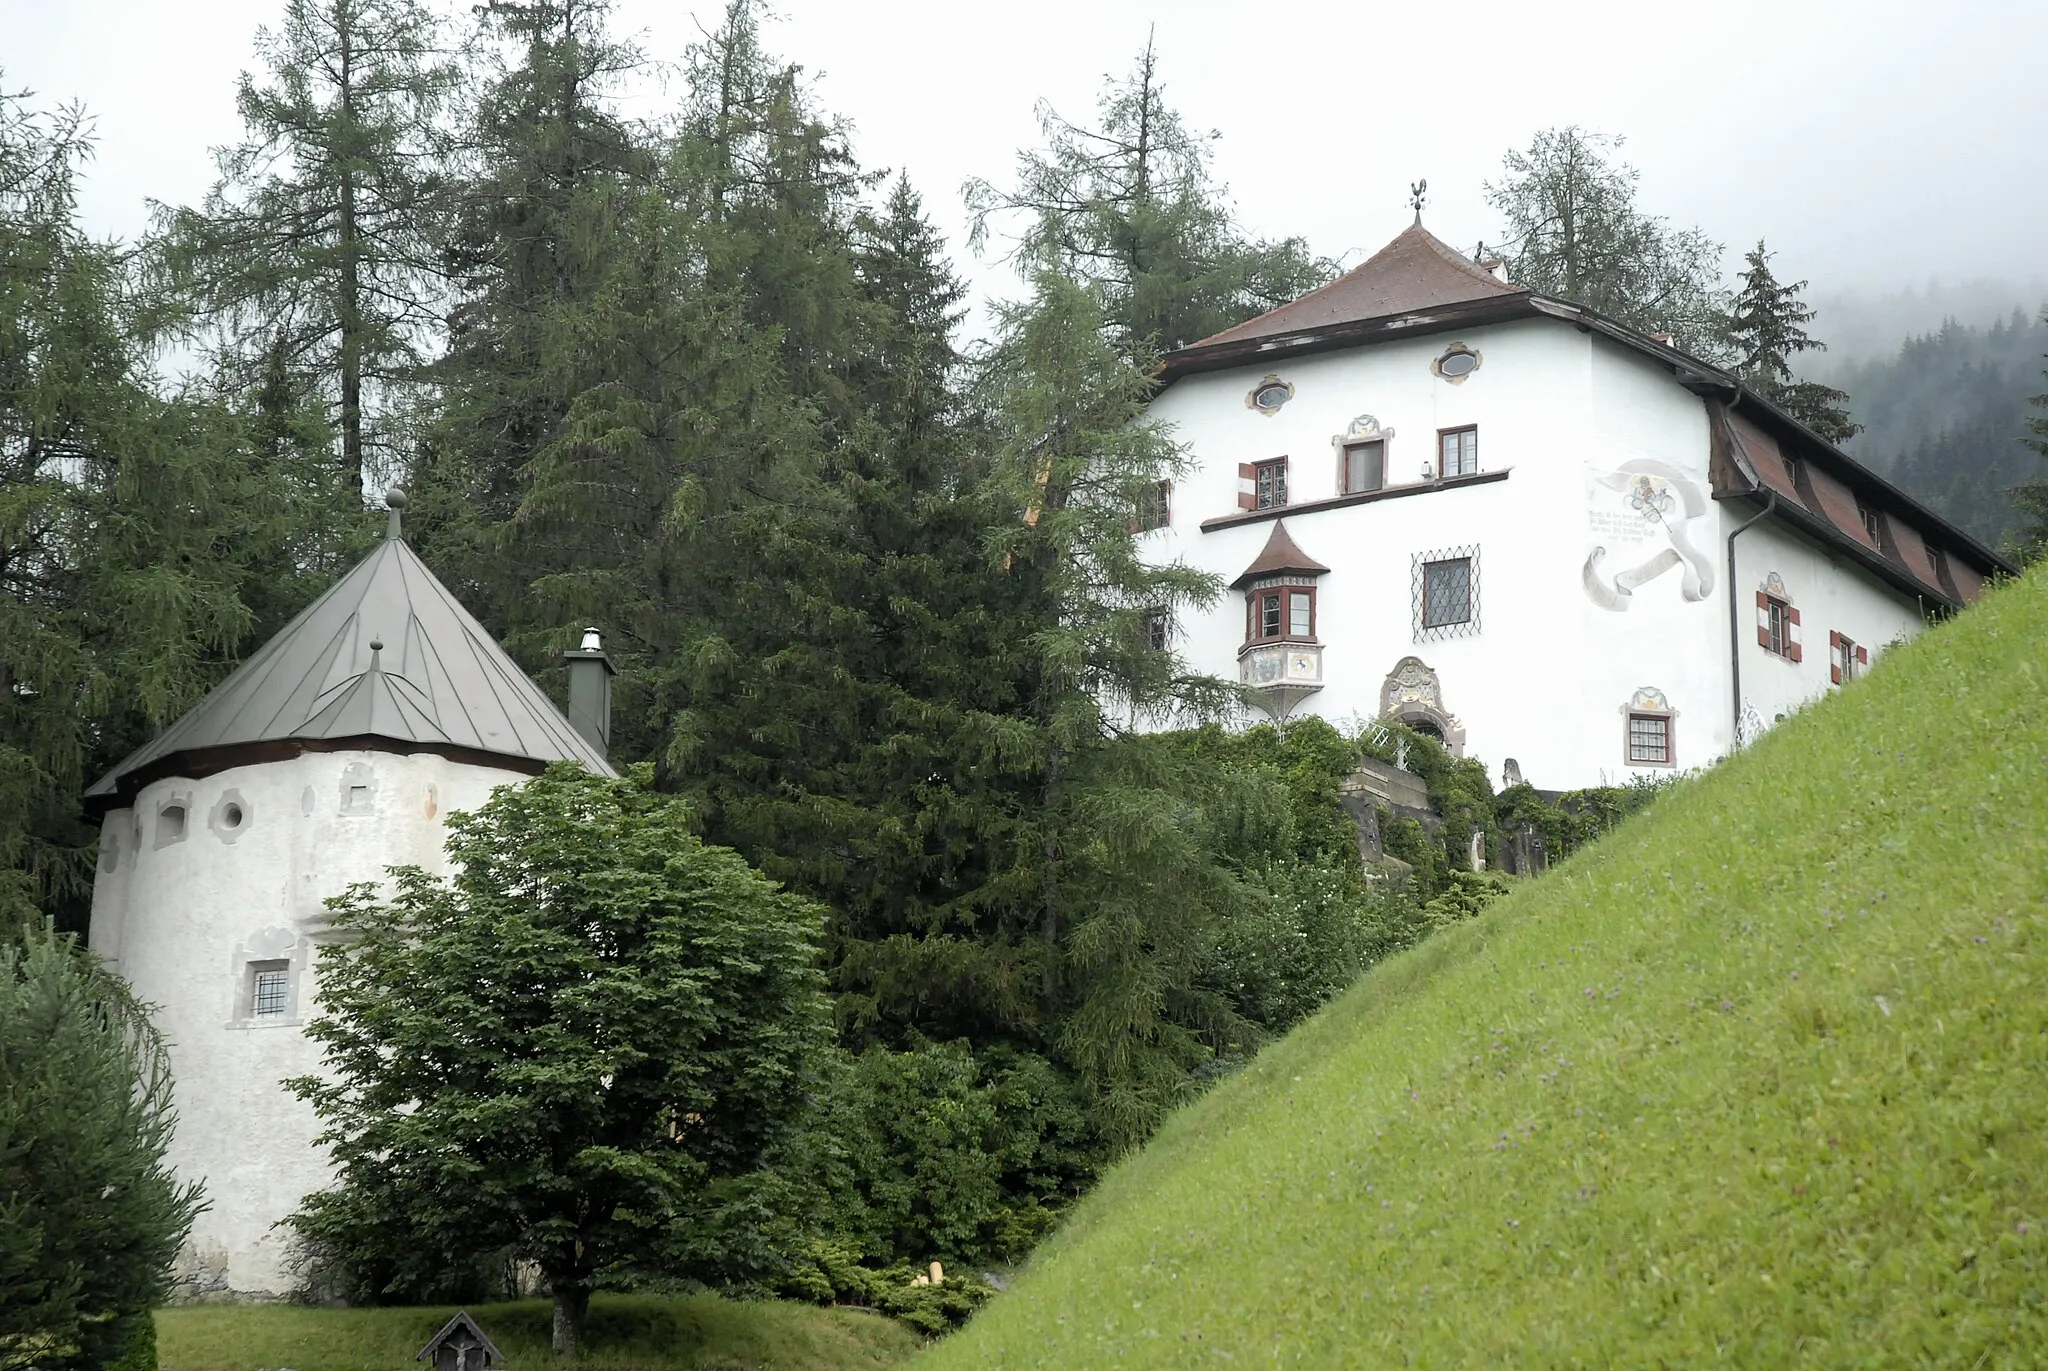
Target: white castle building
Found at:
334, 752
1522, 527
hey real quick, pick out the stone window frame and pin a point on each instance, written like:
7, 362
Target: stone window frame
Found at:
1648, 703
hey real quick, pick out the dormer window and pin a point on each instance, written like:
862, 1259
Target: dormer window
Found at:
1870, 518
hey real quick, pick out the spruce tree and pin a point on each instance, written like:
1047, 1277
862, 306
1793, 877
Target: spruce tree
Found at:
90, 1216
1572, 229
1130, 204
2030, 497
318, 248
1766, 328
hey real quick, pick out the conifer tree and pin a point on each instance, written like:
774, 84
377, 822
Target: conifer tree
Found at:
1122, 889
90, 1216
1766, 328
1573, 230
2030, 541
1129, 203
129, 523
317, 249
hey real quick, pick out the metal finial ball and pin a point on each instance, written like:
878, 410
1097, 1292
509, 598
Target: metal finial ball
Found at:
376, 645
394, 498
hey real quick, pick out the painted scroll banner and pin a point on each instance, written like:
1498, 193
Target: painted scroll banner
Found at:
1638, 516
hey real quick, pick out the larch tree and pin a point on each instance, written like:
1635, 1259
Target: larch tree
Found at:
318, 248
131, 525
1572, 228
1766, 328
1130, 204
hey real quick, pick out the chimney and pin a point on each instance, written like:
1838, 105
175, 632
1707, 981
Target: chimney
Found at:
1496, 267
1669, 340
590, 692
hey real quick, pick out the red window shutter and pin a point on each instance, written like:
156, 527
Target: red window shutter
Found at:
1247, 480
1863, 656
1796, 651
1834, 657
1763, 636
1763, 601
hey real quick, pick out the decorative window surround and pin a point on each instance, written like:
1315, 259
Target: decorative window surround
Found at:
1777, 621
1649, 736
1269, 395
1253, 516
1847, 659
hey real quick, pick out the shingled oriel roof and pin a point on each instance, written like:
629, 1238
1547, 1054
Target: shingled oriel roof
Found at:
1280, 555
386, 659
1416, 271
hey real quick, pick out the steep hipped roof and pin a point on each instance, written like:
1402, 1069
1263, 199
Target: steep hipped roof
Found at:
1280, 555
1416, 271
439, 684
1417, 286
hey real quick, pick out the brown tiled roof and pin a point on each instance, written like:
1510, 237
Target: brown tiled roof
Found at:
1416, 271
1280, 555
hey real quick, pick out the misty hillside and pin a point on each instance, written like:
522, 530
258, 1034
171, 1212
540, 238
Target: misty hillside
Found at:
1943, 417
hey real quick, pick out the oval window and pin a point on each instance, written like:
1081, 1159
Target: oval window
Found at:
1457, 362
1268, 395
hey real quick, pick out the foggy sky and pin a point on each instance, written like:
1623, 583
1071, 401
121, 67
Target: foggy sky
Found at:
1876, 144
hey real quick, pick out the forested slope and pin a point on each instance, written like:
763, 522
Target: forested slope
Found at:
1758, 1080
1944, 416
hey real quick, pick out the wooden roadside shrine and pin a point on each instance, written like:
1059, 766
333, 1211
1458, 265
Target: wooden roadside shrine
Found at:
461, 1346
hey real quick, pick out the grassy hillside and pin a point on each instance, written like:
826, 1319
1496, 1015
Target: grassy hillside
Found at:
699, 1333
1760, 1080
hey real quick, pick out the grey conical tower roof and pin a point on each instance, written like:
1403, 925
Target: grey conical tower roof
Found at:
440, 684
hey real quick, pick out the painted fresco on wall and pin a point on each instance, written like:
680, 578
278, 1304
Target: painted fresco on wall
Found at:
1639, 524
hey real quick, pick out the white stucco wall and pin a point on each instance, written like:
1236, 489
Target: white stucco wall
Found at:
1549, 674
1830, 595
182, 918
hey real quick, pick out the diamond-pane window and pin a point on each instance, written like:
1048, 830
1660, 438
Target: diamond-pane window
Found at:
1446, 594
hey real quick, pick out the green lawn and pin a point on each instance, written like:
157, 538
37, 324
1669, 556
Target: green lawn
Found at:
1759, 1081
696, 1333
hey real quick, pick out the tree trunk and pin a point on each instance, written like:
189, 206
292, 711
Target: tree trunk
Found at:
1049, 909
572, 1304
350, 304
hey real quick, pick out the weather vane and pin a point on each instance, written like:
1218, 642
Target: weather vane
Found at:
1418, 195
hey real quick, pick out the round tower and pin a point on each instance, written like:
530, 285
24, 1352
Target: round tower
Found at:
333, 753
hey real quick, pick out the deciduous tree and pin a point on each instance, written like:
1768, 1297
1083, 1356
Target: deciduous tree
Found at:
574, 1048
1572, 229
